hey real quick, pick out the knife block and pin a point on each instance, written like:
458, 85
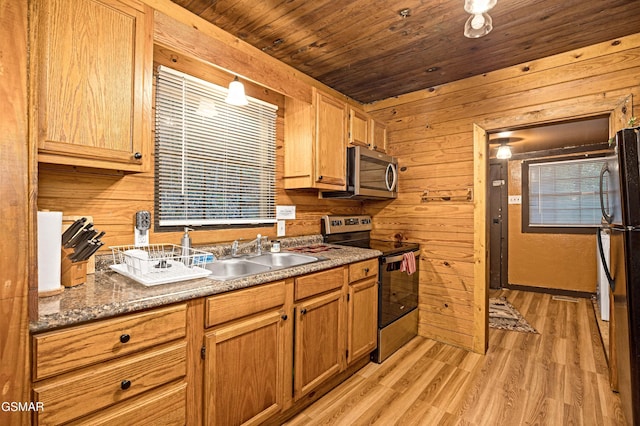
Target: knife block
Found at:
67, 221
72, 273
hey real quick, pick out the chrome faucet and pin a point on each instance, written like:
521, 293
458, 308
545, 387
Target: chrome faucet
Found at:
259, 245
234, 249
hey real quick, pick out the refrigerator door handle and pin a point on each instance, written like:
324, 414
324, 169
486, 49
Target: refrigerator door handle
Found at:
612, 282
606, 216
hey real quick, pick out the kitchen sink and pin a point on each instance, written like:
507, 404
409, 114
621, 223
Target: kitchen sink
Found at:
238, 267
282, 260
228, 269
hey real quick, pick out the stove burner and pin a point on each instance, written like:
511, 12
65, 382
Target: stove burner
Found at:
315, 248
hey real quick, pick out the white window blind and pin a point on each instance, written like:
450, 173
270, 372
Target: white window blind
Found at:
215, 163
565, 193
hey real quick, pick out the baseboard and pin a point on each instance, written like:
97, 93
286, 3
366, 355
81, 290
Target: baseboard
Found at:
553, 291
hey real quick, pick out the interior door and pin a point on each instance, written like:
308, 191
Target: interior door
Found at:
498, 265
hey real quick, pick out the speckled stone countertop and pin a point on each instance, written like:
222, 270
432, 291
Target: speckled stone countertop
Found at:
107, 293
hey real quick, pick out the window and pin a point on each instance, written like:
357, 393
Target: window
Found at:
561, 195
215, 163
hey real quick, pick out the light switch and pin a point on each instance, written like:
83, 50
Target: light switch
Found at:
281, 228
515, 199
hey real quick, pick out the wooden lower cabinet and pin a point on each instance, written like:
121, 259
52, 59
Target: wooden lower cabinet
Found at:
362, 318
113, 371
319, 341
244, 370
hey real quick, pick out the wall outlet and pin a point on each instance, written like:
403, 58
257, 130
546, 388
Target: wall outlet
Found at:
281, 228
515, 199
141, 238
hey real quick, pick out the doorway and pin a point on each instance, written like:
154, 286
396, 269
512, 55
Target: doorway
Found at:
498, 224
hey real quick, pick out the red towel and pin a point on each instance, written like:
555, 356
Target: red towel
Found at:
408, 263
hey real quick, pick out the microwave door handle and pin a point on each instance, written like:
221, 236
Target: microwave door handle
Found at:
606, 216
395, 177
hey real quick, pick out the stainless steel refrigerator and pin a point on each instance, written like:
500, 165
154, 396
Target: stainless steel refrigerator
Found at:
620, 203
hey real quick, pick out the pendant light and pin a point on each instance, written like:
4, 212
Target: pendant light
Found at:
504, 152
236, 94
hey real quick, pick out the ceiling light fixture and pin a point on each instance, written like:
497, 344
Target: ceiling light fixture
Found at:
236, 94
504, 152
479, 23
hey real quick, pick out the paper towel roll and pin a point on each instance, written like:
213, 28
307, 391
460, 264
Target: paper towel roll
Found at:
49, 248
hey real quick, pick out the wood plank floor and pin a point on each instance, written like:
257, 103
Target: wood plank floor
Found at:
556, 377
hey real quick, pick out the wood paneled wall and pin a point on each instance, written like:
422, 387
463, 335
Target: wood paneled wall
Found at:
15, 219
112, 198
431, 132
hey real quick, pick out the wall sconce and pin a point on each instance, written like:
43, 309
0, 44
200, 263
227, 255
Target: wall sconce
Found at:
479, 23
504, 152
236, 94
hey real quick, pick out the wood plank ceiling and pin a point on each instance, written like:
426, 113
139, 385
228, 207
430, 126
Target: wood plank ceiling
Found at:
368, 51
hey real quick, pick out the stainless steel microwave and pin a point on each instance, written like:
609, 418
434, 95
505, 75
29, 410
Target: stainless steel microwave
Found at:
371, 175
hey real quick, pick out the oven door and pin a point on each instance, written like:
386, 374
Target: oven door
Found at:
398, 291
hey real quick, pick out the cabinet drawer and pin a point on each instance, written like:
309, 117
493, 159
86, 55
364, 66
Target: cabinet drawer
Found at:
364, 269
76, 394
240, 303
60, 351
319, 282
164, 406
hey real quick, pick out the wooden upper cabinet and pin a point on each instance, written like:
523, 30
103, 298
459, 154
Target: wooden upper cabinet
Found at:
358, 128
377, 136
315, 141
92, 78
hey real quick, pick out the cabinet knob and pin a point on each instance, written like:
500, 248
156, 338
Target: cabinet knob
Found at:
284, 317
375, 147
320, 177
137, 155
125, 384
124, 338
366, 270
303, 311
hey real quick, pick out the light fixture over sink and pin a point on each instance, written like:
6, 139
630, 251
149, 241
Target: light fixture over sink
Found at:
479, 23
236, 94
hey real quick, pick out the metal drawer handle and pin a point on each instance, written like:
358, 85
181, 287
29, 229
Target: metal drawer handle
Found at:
125, 384
303, 311
366, 270
124, 338
284, 317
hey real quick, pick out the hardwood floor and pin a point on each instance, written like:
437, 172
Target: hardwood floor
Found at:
556, 377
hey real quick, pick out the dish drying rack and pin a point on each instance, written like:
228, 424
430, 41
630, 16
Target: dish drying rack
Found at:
160, 263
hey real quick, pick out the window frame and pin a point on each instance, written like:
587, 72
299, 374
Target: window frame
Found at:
526, 227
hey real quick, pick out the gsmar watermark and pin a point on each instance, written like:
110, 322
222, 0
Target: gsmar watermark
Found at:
22, 406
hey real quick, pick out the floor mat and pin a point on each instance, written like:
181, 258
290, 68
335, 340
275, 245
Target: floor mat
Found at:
504, 316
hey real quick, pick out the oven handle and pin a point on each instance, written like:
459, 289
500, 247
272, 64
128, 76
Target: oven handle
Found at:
397, 258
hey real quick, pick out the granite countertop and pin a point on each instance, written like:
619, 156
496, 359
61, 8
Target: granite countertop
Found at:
107, 293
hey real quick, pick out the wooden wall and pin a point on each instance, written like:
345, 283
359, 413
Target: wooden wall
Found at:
15, 244
112, 198
432, 133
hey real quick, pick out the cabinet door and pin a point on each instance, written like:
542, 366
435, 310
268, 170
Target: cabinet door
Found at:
244, 370
319, 341
93, 61
331, 132
362, 318
378, 136
358, 128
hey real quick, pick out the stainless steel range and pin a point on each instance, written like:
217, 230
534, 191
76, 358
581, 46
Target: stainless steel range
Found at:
397, 290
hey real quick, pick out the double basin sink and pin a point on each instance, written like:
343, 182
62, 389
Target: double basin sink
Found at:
238, 267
